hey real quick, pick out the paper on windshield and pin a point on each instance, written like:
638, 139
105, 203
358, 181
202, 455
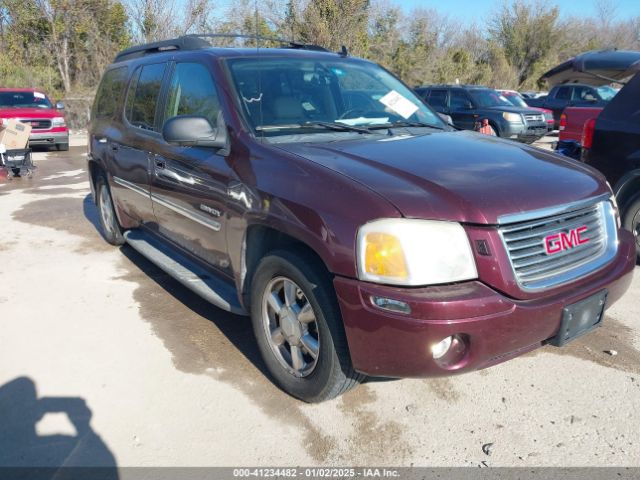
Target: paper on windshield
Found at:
354, 122
399, 104
38, 95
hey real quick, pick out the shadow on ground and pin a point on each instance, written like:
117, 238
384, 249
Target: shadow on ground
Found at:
27, 453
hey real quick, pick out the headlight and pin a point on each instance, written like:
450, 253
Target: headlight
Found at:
413, 252
512, 117
57, 122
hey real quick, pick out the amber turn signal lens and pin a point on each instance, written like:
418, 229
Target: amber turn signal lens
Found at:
384, 256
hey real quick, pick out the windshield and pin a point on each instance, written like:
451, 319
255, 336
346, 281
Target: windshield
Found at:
24, 100
488, 98
281, 94
606, 92
514, 99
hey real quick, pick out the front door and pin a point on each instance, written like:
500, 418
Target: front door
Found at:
189, 184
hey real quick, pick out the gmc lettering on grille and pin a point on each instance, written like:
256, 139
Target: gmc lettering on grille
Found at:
559, 242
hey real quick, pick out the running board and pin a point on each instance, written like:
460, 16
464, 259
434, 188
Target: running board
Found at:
188, 273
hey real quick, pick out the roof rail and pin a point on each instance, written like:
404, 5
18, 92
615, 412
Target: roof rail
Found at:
197, 41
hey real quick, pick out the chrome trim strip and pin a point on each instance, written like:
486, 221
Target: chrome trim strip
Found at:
132, 186
550, 211
212, 224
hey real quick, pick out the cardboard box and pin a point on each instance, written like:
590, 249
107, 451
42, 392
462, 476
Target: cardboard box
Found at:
14, 134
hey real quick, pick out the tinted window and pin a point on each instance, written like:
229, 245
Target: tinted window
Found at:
143, 96
438, 99
459, 100
192, 92
109, 92
488, 98
564, 93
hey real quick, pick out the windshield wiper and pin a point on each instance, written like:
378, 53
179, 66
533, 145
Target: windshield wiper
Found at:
315, 124
407, 123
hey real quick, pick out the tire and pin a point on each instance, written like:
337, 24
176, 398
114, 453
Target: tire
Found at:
62, 147
111, 230
310, 296
631, 221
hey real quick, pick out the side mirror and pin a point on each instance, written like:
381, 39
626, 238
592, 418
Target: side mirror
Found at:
59, 106
447, 119
195, 130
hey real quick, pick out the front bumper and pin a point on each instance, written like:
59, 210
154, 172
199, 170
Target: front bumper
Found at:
49, 137
527, 132
496, 327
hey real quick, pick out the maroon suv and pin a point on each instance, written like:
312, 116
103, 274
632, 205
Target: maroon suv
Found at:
318, 194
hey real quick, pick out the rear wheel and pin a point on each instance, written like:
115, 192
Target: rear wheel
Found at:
110, 228
62, 147
631, 221
298, 327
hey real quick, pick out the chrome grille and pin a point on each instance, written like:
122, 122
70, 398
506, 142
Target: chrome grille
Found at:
528, 240
534, 117
37, 123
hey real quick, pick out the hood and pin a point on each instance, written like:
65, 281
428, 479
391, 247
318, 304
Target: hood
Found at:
511, 109
8, 112
597, 67
458, 176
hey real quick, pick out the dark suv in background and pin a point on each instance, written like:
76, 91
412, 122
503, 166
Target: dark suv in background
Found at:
364, 236
468, 104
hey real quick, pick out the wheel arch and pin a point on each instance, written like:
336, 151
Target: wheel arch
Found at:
627, 188
260, 239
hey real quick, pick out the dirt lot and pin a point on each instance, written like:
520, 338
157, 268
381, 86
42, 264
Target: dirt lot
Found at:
171, 380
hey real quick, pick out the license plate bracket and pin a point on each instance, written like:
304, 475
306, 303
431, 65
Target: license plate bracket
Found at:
579, 318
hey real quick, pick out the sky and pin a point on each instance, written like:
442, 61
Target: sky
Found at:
478, 10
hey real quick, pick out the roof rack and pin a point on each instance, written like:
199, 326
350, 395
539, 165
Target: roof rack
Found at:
197, 41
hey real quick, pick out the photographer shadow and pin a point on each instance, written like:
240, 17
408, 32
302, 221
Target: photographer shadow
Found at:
30, 455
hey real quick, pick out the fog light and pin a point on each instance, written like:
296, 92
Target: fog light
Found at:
440, 349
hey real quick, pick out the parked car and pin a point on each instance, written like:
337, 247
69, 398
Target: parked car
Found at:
565, 95
601, 68
364, 236
468, 104
516, 99
32, 106
610, 137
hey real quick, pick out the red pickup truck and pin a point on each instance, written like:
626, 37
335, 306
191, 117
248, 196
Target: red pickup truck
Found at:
30, 105
573, 122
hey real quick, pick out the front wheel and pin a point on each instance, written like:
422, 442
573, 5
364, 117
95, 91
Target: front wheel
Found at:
298, 327
631, 222
110, 228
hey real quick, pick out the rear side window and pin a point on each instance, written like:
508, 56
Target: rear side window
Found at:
438, 99
564, 93
142, 98
109, 92
192, 92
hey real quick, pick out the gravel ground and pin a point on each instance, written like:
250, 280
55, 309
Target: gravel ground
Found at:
104, 360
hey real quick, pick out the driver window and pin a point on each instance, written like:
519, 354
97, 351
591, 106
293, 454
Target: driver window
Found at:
192, 92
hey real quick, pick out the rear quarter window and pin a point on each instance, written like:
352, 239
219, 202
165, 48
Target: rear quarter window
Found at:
109, 92
143, 94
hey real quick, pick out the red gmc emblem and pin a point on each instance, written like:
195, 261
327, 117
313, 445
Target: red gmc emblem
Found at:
559, 242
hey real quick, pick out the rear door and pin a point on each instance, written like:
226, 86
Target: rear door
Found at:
189, 184
131, 150
461, 109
